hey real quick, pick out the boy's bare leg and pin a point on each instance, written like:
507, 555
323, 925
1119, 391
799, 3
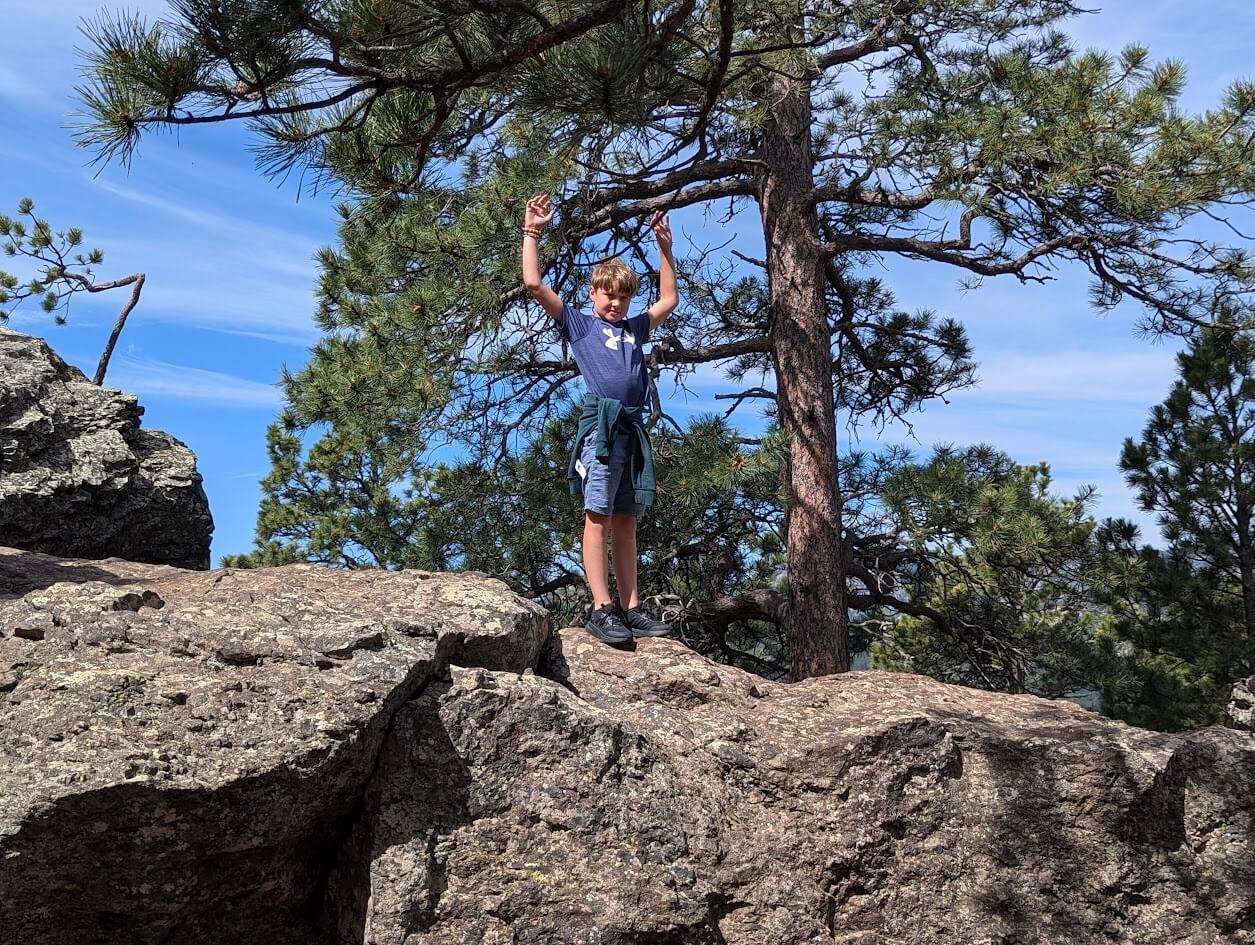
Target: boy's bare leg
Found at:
623, 539
596, 568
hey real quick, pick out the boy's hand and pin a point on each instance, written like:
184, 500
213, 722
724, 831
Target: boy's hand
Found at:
668, 297
662, 230
539, 211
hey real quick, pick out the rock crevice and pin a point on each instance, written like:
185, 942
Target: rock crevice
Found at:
195, 784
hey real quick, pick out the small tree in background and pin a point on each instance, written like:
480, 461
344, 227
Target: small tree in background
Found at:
60, 273
1195, 466
1167, 654
1009, 595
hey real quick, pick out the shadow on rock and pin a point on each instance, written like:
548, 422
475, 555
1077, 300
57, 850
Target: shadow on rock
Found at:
140, 864
391, 873
24, 571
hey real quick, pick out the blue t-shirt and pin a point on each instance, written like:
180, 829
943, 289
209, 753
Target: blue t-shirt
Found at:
609, 354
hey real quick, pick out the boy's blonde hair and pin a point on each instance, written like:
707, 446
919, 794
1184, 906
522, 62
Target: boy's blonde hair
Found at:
614, 277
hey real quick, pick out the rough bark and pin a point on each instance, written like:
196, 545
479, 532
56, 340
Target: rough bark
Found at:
1246, 538
817, 624
118, 325
1248, 604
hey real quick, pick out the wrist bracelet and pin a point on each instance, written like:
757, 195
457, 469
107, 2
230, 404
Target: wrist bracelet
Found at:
529, 231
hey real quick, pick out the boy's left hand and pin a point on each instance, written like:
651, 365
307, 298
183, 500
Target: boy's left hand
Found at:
662, 230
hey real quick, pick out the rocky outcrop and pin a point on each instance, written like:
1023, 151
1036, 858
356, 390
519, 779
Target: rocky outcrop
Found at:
656, 797
182, 753
1242, 705
80, 478
296, 755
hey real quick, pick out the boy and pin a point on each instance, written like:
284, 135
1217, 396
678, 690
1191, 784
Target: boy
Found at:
611, 462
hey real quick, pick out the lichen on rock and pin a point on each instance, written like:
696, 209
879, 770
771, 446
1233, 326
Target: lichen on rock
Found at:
303, 756
79, 477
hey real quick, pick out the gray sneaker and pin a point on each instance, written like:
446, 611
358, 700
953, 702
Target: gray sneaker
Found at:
606, 624
641, 624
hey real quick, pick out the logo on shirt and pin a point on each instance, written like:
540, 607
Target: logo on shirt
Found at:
612, 339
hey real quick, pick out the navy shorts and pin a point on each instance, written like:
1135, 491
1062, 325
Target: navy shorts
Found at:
608, 485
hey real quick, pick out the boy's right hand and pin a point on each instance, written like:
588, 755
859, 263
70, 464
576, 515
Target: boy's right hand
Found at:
539, 211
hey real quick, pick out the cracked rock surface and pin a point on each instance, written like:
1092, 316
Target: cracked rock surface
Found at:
655, 797
182, 752
78, 475
298, 756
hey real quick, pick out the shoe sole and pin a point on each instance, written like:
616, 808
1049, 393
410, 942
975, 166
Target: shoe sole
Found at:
613, 641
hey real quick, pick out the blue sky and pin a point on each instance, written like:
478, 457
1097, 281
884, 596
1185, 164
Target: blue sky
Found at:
228, 255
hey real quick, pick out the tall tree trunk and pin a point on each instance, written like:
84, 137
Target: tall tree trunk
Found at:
817, 617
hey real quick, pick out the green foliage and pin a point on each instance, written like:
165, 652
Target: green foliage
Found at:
987, 146
1195, 462
348, 501
1168, 654
1029, 594
1174, 647
58, 273
1005, 585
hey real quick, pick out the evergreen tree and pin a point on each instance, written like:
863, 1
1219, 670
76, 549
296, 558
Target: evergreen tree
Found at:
1009, 595
61, 273
1195, 466
1173, 643
978, 141
1177, 642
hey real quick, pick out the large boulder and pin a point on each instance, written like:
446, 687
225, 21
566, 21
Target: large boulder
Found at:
78, 475
299, 755
655, 797
182, 753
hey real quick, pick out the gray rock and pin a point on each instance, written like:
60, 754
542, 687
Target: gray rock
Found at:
183, 752
1242, 705
299, 756
654, 797
80, 478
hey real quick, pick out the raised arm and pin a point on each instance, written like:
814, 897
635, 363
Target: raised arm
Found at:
668, 297
535, 218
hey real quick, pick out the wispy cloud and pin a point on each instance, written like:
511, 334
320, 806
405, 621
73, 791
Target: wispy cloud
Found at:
1089, 377
153, 378
19, 89
248, 305
258, 237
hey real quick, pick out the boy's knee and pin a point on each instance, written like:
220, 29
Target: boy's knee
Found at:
597, 518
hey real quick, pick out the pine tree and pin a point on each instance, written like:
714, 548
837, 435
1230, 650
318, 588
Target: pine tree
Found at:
1195, 466
1006, 591
1172, 644
1177, 642
977, 140
61, 273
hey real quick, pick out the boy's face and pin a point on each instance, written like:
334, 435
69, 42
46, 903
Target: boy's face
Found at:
610, 306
